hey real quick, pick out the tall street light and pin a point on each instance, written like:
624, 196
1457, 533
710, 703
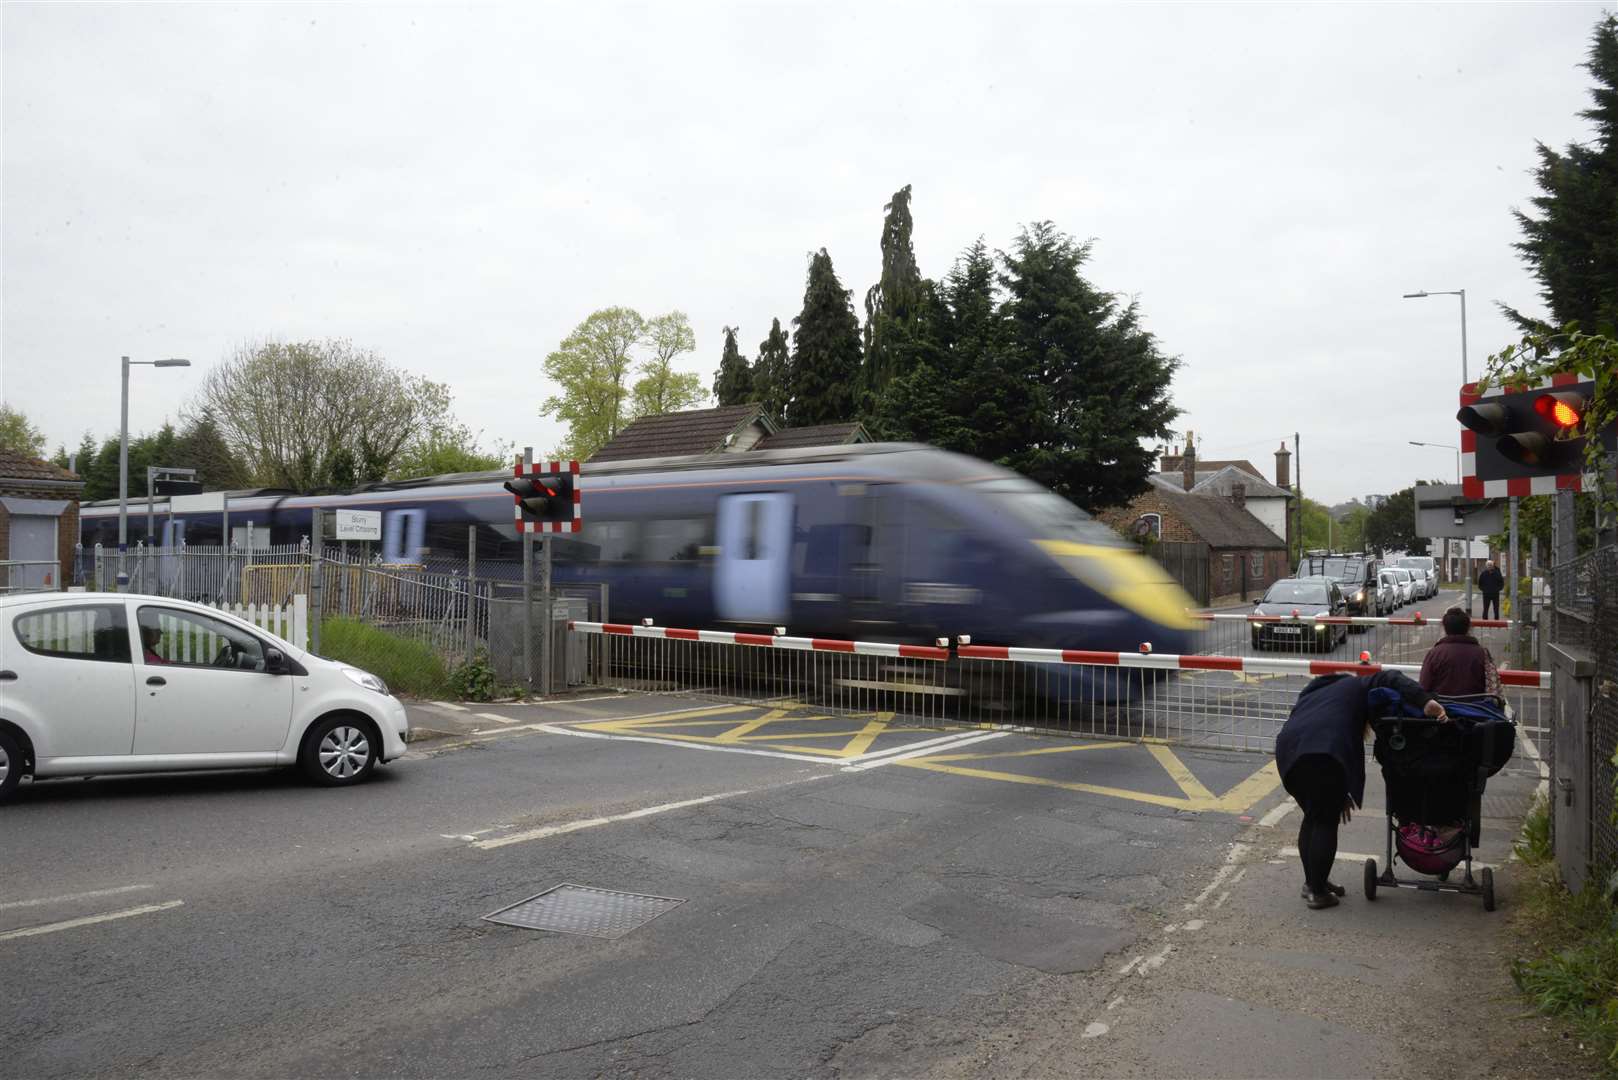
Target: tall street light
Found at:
123, 458
1444, 446
1450, 292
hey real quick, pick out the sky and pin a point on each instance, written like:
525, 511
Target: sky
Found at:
457, 186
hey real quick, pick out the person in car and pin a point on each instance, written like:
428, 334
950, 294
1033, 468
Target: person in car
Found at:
1457, 665
150, 638
1320, 754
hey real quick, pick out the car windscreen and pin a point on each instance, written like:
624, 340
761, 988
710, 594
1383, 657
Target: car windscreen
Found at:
1297, 592
1045, 514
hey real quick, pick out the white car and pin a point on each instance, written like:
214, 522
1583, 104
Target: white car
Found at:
102, 683
1405, 584
1419, 582
1428, 565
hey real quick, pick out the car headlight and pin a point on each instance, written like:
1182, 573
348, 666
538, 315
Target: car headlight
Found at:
1360, 595
367, 680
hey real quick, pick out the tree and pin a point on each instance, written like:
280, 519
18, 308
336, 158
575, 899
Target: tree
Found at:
202, 447
895, 304
1572, 245
291, 411
1392, 526
449, 448
591, 366
661, 389
825, 368
772, 372
1105, 383
18, 434
733, 385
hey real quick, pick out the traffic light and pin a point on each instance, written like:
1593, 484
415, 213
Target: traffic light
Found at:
547, 496
1525, 441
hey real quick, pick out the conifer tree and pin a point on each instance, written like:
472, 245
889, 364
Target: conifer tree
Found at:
733, 385
1572, 245
896, 303
772, 372
825, 350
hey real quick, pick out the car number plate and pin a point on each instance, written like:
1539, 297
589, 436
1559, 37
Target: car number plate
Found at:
1289, 629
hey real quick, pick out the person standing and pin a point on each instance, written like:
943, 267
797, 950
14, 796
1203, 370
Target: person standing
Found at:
1490, 582
1320, 754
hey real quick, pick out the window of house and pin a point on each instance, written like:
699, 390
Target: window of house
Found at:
1228, 566
1255, 566
1154, 525
91, 632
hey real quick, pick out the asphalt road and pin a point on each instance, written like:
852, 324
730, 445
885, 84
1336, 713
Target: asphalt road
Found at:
921, 911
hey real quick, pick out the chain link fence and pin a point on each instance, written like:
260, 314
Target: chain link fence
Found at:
1600, 574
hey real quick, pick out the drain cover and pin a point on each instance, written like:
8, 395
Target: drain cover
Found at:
579, 909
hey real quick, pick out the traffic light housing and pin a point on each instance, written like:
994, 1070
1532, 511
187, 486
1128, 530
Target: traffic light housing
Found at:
1525, 440
547, 496
176, 487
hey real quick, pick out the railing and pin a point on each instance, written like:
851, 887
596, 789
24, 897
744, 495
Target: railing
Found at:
1228, 702
30, 575
290, 622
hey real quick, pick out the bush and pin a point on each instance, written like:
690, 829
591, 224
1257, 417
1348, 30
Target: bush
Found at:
473, 680
408, 667
1534, 845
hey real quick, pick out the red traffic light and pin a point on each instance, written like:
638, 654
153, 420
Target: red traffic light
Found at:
1564, 410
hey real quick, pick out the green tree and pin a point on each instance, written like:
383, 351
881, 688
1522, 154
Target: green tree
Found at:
449, 448
1105, 382
1572, 244
591, 367
733, 385
18, 434
772, 373
661, 389
202, 447
825, 367
290, 411
896, 305
1392, 526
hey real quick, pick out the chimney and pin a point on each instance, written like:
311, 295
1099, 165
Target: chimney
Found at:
1283, 468
1238, 495
1188, 464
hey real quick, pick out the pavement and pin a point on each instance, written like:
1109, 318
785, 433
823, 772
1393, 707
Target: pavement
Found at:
846, 896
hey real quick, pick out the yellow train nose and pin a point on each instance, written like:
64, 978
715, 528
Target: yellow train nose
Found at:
1128, 579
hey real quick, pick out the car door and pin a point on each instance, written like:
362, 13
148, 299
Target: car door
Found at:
202, 687
753, 575
65, 667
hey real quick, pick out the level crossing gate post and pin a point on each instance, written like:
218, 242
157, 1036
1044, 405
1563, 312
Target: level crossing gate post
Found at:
317, 589
471, 591
547, 603
528, 593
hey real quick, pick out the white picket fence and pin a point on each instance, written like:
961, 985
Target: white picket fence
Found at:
287, 621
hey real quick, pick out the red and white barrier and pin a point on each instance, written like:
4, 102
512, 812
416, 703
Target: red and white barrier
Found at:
1143, 659
768, 641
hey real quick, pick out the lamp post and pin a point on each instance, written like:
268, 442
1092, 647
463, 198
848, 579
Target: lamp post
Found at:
123, 458
1444, 446
1450, 292
1465, 540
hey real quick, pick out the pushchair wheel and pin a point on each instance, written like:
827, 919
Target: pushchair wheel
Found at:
1370, 880
1443, 876
1488, 889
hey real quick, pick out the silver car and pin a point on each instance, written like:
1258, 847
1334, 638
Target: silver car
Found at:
1405, 584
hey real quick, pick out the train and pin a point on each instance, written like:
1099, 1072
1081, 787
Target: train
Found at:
875, 541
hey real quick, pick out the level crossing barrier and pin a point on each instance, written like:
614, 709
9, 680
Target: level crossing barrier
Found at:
1210, 700
1392, 639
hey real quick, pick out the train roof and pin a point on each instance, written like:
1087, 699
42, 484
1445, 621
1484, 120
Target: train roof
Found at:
912, 461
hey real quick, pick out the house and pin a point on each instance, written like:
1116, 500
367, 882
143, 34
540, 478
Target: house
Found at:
39, 523
728, 429
1239, 481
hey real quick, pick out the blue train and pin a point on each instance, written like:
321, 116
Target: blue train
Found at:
883, 542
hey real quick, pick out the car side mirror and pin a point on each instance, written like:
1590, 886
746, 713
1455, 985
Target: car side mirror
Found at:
275, 661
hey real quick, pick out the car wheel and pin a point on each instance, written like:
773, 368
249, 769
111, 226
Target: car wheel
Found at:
338, 751
10, 765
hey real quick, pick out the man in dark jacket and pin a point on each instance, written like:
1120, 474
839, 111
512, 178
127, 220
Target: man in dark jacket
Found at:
1320, 754
1490, 582
1457, 665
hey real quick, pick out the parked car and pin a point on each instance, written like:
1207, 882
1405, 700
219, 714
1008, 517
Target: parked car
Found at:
1426, 563
1303, 597
1387, 591
1419, 583
1407, 585
1355, 574
103, 683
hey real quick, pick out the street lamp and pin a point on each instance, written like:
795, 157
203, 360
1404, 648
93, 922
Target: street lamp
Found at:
1450, 292
1444, 446
123, 458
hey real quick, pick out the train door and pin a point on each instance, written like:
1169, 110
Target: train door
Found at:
876, 514
753, 572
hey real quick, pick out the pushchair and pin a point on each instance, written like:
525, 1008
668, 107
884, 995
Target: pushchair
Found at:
1435, 773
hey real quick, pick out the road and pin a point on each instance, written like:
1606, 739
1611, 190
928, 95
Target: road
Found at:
857, 898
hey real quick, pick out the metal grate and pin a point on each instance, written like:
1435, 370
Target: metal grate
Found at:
579, 909
1603, 598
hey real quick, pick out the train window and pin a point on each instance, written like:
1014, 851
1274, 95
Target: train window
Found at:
174, 532
675, 540
403, 533
753, 547
615, 539
933, 543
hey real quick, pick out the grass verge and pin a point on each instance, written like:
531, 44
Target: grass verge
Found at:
1571, 970
408, 667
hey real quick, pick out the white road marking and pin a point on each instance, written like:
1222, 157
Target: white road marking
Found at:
554, 730
1237, 852
924, 751
495, 717
1094, 1029
1194, 925
1127, 968
1155, 961
1357, 857
1219, 901
645, 811
938, 744
450, 705
70, 897
1273, 818
1544, 789
89, 920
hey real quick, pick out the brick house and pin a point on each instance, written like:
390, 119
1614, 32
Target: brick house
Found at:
39, 523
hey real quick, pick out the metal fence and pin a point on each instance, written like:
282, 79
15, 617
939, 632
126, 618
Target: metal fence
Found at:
29, 575
1226, 702
1601, 573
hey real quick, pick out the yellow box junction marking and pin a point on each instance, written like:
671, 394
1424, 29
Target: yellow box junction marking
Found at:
1196, 796
756, 729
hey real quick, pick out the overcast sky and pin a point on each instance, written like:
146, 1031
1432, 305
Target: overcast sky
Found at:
457, 186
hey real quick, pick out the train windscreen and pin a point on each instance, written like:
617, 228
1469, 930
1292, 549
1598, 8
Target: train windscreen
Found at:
1046, 514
